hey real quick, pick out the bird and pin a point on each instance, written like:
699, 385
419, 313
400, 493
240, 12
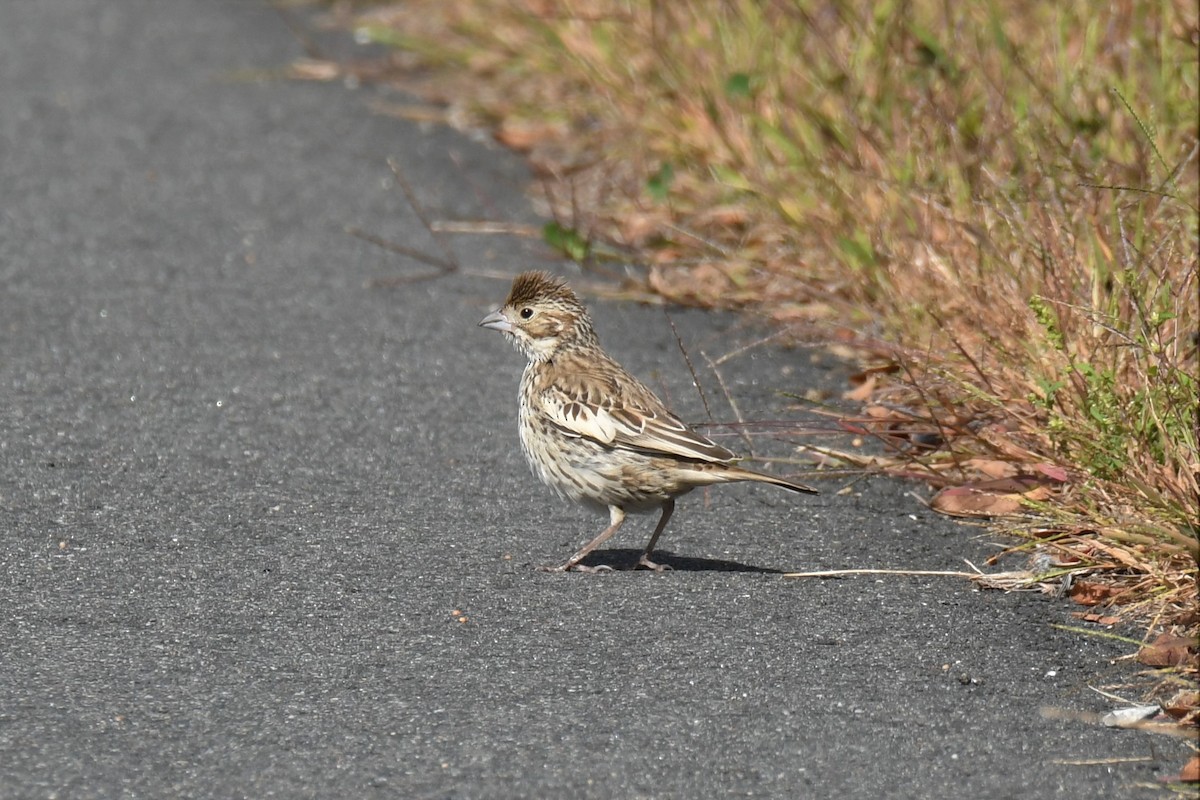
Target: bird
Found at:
593, 432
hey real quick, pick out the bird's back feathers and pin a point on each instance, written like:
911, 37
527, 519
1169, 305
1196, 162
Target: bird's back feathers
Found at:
598, 399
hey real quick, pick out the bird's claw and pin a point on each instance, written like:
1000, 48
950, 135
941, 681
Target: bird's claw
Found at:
569, 567
645, 563
596, 570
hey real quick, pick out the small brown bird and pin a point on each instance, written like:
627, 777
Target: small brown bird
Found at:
593, 432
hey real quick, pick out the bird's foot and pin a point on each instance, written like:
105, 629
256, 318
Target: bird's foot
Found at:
645, 563
599, 569
570, 567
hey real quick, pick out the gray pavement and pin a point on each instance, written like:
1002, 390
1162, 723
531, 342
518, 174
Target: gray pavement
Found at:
249, 491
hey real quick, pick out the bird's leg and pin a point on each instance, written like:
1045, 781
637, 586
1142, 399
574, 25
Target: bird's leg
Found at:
616, 517
668, 508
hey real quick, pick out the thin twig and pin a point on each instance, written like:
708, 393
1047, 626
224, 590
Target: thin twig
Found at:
442, 266
1167, 728
1097, 762
450, 262
687, 360
311, 49
933, 415
737, 412
487, 227
415, 112
757, 343
721, 251
834, 573
958, 346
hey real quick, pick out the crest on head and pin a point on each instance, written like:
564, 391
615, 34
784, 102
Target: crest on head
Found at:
534, 286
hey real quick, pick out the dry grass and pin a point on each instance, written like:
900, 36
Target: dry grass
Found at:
995, 203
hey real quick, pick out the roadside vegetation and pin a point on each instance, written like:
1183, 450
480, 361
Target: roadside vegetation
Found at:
994, 205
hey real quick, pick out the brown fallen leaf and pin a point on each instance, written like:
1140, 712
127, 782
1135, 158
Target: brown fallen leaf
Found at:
993, 498
843, 334
1038, 495
1182, 703
992, 467
726, 216
964, 501
870, 372
1090, 593
523, 135
1098, 619
690, 284
638, 227
662, 257
804, 312
1189, 618
311, 69
1042, 533
1053, 472
1191, 771
1019, 484
861, 392
1168, 650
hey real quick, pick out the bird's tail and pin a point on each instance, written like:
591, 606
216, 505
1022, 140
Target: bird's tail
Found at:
742, 474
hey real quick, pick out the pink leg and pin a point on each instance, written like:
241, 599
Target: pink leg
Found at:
668, 508
616, 517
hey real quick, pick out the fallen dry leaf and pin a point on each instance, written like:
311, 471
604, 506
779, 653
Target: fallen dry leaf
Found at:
1189, 618
1099, 619
993, 498
311, 69
1038, 495
1120, 554
964, 501
862, 391
1191, 771
524, 135
1168, 650
690, 284
804, 312
1053, 472
1090, 593
1020, 484
992, 467
638, 227
882, 369
723, 216
1182, 703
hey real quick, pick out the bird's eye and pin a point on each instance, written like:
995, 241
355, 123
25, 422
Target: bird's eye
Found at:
526, 312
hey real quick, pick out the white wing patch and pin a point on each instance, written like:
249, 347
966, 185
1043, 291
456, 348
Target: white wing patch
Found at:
579, 419
631, 429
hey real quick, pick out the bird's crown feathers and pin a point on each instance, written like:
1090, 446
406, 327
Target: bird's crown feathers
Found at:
540, 287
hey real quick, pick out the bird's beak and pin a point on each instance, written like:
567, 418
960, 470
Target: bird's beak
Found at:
496, 321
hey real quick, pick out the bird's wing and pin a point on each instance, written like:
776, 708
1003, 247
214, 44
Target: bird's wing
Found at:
617, 410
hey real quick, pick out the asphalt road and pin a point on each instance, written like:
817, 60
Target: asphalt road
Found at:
266, 530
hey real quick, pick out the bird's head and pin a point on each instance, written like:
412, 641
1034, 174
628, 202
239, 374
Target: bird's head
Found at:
541, 316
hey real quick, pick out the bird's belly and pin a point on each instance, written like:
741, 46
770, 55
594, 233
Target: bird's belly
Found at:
594, 475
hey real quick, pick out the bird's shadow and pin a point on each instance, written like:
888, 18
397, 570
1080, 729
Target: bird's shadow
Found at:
627, 560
